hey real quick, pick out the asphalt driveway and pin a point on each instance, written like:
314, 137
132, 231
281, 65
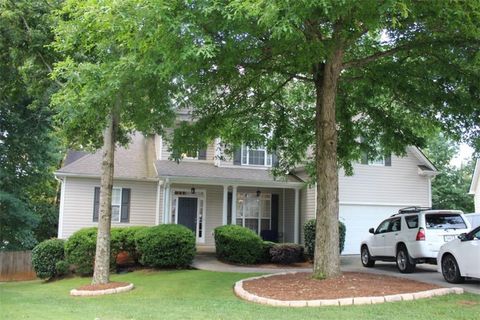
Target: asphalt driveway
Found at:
423, 272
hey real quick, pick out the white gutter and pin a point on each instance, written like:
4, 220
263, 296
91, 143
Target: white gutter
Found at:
92, 176
239, 183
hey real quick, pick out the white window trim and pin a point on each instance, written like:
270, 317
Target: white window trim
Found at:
203, 197
380, 162
119, 205
260, 217
245, 151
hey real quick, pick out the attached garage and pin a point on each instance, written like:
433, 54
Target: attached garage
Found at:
358, 219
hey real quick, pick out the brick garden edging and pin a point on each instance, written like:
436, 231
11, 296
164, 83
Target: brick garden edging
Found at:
84, 293
242, 293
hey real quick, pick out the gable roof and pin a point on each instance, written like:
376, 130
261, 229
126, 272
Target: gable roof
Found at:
475, 178
132, 162
427, 164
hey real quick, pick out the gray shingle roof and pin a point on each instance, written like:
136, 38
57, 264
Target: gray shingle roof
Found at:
133, 162
166, 168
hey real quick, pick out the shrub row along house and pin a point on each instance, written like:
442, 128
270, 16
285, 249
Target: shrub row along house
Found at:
211, 189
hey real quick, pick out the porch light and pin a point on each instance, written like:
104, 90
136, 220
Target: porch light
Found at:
192, 190
258, 193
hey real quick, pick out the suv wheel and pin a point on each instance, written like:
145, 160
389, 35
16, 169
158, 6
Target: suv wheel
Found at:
404, 263
450, 269
367, 260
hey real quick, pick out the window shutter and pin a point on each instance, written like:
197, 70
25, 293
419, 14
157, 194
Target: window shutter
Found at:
364, 158
202, 154
237, 156
388, 160
275, 209
125, 214
96, 203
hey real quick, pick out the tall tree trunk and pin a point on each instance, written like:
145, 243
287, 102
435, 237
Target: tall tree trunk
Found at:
327, 255
101, 271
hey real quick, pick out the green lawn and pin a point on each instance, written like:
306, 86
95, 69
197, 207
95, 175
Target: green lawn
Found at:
193, 294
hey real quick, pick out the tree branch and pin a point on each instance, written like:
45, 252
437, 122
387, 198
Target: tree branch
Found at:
363, 61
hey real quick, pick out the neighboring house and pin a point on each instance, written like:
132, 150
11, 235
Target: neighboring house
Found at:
149, 189
475, 186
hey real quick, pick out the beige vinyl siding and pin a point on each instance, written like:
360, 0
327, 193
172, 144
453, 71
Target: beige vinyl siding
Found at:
399, 183
166, 153
78, 203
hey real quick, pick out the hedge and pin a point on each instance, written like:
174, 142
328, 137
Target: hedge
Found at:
168, 245
125, 237
287, 253
80, 249
45, 257
237, 244
309, 236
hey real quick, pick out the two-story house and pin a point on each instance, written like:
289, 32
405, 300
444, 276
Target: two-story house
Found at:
208, 190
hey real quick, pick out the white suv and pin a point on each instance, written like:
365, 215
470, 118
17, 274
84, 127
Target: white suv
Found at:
413, 235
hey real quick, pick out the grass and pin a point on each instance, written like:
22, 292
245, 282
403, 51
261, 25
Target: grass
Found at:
194, 294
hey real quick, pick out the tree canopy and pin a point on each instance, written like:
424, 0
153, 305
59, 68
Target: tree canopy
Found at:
345, 77
450, 188
29, 151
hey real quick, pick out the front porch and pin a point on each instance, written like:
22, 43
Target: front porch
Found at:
271, 210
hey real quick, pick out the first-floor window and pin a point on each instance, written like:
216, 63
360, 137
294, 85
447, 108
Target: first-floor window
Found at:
116, 204
254, 211
120, 204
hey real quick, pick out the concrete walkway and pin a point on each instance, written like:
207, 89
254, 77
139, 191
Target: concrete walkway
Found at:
351, 263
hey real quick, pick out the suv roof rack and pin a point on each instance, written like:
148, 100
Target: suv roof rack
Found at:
412, 209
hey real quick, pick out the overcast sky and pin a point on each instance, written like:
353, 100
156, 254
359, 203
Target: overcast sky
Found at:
464, 154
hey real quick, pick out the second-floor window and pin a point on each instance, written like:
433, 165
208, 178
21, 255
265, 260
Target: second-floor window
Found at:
256, 156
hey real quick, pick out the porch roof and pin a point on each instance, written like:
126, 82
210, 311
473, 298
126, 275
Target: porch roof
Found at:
208, 171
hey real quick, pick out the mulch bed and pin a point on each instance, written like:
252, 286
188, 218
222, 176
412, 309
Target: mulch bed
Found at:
110, 285
301, 286
304, 265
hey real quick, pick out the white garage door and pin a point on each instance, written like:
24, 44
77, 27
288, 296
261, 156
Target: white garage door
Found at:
358, 219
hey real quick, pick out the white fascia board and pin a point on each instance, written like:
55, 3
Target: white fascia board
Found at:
421, 156
93, 176
475, 178
235, 182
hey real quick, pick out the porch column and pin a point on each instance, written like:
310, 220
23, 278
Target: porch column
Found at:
166, 208
296, 219
225, 204
234, 205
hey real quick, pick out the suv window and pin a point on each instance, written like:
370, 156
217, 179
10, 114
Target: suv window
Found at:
395, 225
444, 221
383, 227
412, 221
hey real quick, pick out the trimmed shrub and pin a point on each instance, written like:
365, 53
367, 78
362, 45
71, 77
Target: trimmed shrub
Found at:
45, 256
126, 240
238, 244
309, 236
80, 249
62, 268
287, 253
266, 246
168, 245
